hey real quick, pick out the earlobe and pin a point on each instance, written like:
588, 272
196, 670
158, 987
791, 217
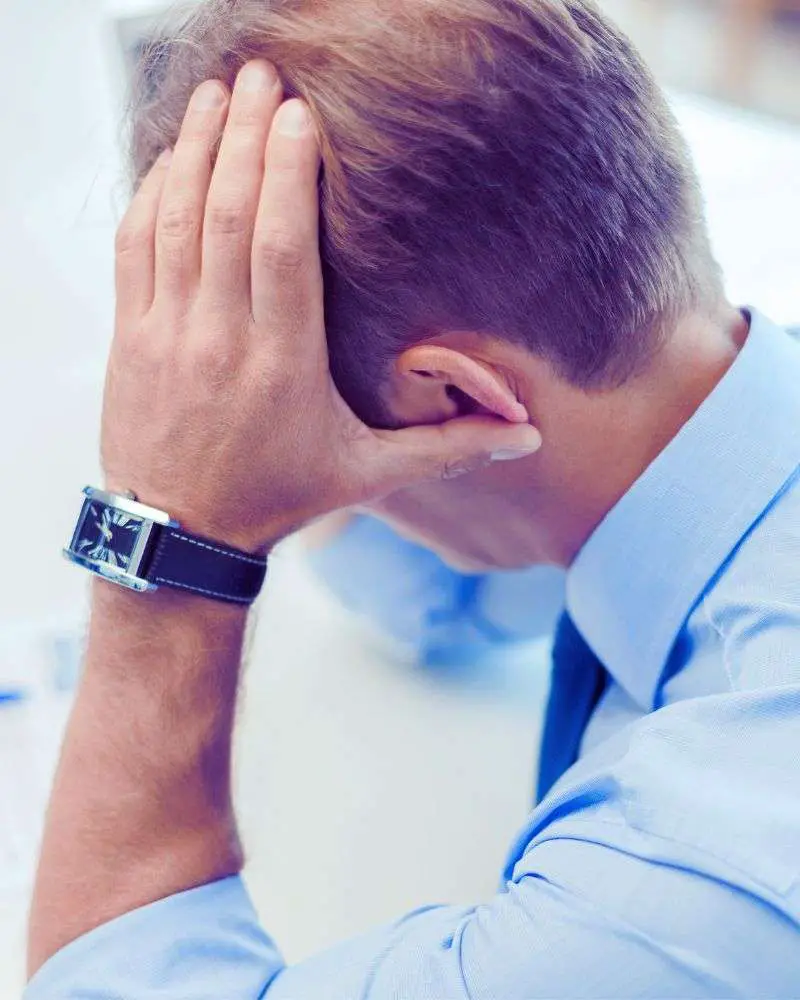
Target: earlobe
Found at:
461, 383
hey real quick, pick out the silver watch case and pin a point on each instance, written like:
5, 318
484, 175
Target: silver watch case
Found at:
125, 576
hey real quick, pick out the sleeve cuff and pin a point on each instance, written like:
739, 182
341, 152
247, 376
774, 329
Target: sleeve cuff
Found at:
203, 943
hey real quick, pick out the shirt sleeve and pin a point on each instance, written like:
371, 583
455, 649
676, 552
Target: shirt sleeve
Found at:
205, 943
443, 616
578, 919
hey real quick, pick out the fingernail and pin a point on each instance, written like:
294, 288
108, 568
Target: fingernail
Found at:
293, 118
257, 76
209, 95
508, 454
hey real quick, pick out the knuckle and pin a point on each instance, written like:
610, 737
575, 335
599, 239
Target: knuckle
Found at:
247, 119
199, 137
454, 468
216, 359
226, 220
279, 250
139, 350
177, 223
130, 239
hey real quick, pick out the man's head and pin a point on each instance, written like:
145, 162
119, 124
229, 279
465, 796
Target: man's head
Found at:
500, 177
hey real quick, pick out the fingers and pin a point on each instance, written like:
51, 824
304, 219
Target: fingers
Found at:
445, 451
236, 186
286, 279
180, 218
135, 246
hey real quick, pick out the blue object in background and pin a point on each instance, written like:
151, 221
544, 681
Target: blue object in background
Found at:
11, 697
66, 660
462, 627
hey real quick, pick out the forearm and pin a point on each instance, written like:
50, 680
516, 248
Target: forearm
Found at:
141, 805
220, 361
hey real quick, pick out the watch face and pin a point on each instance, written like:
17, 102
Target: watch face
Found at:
107, 535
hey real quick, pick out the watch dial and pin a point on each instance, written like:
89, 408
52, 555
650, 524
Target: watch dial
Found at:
108, 535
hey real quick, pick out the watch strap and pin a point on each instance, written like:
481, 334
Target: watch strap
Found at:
202, 566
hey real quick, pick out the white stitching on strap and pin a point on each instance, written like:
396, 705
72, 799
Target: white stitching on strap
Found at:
201, 590
221, 552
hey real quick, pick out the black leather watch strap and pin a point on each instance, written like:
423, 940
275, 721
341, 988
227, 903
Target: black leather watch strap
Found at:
202, 566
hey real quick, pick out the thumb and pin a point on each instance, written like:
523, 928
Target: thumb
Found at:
445, 451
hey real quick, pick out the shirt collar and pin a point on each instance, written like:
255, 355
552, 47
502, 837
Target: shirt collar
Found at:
636, 579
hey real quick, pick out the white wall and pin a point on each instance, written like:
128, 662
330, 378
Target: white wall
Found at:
58, 169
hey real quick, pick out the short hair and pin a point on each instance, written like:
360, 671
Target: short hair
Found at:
507, 167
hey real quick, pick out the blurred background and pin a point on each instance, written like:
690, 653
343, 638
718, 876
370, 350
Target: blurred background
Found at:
352, 734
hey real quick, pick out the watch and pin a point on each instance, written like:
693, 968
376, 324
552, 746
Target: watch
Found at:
142, 548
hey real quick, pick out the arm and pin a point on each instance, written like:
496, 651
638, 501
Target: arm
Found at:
219, 408
403, 588
446, 617
577, 919
141, 806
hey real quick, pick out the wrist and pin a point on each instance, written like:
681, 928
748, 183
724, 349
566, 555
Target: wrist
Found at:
160, 613
195, 521
161, 605
177, 635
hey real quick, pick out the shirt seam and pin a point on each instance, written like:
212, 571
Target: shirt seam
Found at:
791, 882
705, 604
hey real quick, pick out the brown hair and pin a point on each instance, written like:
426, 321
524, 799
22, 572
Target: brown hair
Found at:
500, 166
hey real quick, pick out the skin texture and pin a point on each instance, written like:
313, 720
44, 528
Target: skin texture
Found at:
220, 341
220, 344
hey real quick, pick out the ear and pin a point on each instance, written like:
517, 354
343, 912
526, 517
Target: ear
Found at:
432, 384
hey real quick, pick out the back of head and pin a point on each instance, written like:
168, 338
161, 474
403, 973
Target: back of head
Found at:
498, 166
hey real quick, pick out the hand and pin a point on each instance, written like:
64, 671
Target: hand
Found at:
219, 406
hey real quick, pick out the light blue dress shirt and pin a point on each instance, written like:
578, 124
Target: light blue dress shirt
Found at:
666, 862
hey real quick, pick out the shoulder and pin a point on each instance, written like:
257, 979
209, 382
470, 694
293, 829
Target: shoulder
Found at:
753, 604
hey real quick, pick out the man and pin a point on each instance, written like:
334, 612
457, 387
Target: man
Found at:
657, 437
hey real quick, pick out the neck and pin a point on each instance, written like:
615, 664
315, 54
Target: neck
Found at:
599, 443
